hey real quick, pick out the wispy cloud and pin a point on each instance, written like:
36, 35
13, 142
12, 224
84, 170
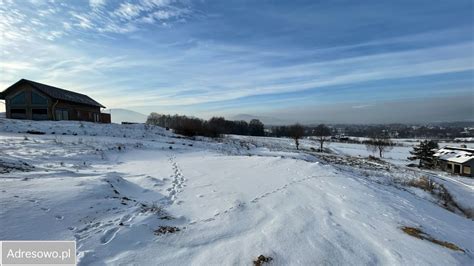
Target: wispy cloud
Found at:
97, 3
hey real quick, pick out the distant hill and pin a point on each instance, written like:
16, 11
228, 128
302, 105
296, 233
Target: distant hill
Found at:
267, 120
124, 115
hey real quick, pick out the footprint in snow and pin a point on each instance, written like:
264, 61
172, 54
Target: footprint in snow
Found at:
109, 235
59, 217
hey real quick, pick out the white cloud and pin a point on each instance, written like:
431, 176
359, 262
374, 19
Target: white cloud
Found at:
82, 21
128, 11
97, 3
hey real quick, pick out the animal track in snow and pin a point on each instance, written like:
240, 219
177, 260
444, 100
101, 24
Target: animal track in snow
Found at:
266, 194
109, 235
236, 206
177, 183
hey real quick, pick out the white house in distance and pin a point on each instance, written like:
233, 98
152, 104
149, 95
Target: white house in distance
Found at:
456, 160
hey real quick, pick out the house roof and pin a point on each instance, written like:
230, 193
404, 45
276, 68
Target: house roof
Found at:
56, 93
456, 155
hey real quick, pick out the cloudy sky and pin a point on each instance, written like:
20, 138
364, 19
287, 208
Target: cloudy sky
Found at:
307, 61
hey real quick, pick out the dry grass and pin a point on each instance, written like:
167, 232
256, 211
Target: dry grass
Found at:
423, 182
152, 208
166, 229
416, 232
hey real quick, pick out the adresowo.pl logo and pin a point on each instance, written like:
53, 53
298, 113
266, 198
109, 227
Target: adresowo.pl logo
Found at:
38, 252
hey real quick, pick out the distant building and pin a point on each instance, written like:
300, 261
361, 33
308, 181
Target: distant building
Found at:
27, 99
456, 160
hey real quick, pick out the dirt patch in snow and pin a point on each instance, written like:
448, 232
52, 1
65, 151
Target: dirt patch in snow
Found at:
418, 233
7, 166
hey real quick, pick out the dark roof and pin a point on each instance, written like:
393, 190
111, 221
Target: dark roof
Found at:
56, 93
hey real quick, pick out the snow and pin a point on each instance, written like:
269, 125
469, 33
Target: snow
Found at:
109, 187
397, 155
452, 154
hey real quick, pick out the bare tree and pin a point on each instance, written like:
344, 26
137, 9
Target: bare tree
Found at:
296, 132
379, 143
322, 133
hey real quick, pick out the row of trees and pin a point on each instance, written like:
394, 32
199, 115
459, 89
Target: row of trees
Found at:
379, 142
439, 131
297, 131
214, 127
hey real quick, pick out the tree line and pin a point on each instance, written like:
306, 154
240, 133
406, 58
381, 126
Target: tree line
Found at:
214, 127
378, 142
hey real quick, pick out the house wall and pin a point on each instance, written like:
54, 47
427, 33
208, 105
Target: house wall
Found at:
28, 106
469, 164
79, 112
457, 168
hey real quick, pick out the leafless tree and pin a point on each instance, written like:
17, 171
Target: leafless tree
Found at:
379, 143
296, 132
322, 133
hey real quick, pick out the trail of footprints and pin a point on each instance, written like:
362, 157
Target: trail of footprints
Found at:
37, 204
255, 200
239, 205
178, 181
109, 229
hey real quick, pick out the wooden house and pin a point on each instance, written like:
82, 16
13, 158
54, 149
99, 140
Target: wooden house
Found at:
31, 100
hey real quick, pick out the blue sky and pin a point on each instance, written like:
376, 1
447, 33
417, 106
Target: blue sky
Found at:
305, 61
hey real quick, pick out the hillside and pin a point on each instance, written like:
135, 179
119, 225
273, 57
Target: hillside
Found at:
123, 115
136, 194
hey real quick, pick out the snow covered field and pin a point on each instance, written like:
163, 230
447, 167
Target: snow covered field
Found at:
130, 194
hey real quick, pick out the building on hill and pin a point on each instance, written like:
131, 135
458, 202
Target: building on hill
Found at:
28, 99
456, 160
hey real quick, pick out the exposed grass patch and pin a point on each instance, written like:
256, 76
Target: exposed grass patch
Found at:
423, 182
151, 208
262, 260
418, 233
166, 230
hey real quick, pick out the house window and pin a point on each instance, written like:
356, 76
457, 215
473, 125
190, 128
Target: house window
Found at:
38, 99
467, 170
19, 99
39, 114
450, 166
18, 113
62, 114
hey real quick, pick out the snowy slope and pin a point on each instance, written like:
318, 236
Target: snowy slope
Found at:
109, 187
119, 115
